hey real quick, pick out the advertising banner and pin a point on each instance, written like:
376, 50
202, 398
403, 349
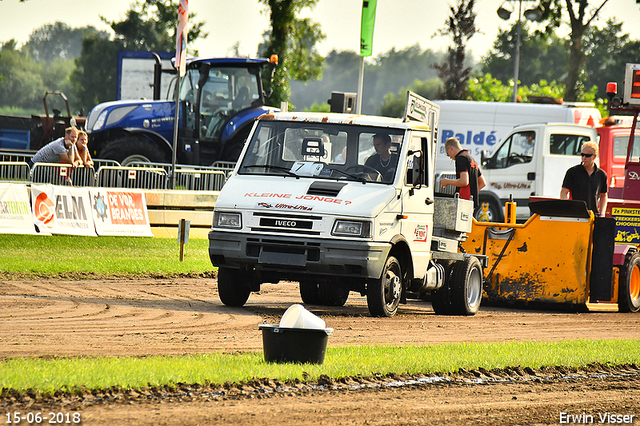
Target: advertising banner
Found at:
62, 210
120, 212
15, 210
627, 225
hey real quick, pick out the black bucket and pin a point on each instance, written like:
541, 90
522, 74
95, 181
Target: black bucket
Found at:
301, 345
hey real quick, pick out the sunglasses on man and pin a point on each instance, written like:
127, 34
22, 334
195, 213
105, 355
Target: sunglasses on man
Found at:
586, 155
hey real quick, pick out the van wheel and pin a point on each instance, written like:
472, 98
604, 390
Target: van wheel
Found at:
332, 294
383, 294
629, 287
309, 293
233, 287
493, 212
466, 286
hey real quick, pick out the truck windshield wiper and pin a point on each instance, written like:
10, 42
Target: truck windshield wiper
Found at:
272, 167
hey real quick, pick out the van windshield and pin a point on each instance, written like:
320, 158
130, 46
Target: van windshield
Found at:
323, 150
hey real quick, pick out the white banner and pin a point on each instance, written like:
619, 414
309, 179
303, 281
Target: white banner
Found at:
15, 209
62, 210
120, 212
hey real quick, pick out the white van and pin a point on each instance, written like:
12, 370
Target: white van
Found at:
483, 125
532, 161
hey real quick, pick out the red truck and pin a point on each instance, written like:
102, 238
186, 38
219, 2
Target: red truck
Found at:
613, 143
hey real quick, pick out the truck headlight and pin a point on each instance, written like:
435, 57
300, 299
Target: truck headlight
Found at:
351, 228
227, 220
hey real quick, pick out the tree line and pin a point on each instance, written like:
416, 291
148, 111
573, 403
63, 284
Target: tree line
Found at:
81, 62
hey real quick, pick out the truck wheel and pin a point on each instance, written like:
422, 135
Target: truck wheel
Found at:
440, 300
232, 287
332, 294
383, 294
129, 149
493, 213
309, 293
629, 287
233, 147
466, 286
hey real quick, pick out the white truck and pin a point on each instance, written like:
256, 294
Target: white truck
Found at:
532, 161
483, 126
302, 206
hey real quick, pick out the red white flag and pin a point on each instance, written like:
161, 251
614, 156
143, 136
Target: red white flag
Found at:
181, 37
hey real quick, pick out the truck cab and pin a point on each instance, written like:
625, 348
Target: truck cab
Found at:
219, 100
532, 161
303, 205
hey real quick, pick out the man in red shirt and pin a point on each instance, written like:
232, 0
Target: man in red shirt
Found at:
469, 179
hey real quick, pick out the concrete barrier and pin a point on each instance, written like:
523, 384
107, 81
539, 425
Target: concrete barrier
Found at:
167, 207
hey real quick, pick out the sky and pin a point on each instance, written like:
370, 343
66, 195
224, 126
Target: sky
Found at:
399, 23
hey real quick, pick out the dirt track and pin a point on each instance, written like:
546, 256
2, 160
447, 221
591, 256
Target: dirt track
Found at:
185, 316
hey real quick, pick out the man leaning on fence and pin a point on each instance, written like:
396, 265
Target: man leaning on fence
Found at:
59, 150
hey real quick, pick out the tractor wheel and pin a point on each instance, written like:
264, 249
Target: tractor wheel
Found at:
629, 287
233, 287
310, 293
466, 286
129, 149
332, 294
233, 147
383, 294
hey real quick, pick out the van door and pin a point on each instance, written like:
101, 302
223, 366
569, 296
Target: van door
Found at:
417, 205
512, 169
564, 153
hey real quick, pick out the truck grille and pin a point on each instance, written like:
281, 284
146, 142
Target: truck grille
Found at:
286, 223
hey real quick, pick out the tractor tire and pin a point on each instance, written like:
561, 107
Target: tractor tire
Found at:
384, 293
466, 287
233, 147
129, 149
629, 287
233, 287
332, 294
310, 293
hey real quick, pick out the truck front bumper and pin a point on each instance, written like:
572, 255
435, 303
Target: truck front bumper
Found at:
298, 256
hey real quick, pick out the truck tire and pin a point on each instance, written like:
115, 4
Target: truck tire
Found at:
440, 300
466, 286
629, 287
384, 293
493, 214
128, 149
233, 147
233, 287
309, 293
332, 294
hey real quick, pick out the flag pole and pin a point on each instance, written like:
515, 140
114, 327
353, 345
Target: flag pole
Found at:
366, 44
181, 65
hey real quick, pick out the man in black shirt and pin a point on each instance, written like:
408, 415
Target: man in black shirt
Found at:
586, 181
469, 179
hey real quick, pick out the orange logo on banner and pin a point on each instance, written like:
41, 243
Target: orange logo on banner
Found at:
126, 208
43, 209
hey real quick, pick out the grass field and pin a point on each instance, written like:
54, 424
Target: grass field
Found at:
55, 255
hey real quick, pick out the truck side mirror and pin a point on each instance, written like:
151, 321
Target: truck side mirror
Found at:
415, 171
484, 156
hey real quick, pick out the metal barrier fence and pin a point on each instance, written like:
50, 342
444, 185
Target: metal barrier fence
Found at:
132, 177
16, 156
111, 174
14, 172
62, 174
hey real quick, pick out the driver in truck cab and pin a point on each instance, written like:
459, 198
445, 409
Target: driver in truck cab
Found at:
384, 161
469, 179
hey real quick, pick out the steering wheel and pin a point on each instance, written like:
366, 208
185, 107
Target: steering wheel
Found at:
517, 158
361, 169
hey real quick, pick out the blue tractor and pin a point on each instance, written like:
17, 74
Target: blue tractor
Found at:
220, 99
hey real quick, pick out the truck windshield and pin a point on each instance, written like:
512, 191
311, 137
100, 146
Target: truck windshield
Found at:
323, 150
